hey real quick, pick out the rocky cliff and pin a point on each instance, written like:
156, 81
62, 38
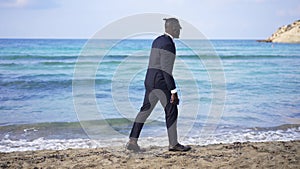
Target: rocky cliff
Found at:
286, 34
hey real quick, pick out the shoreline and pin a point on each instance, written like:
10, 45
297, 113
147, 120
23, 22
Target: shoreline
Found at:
275, 154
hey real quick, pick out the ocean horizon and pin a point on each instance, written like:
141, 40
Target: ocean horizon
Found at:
38, 111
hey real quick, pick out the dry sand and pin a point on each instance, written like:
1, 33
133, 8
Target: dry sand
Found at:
237, 155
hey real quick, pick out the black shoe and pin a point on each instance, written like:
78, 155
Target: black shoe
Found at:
179, 147
133, 146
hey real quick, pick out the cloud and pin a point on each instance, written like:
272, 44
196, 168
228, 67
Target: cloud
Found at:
174, 2
28, 4
13, 3
290, 12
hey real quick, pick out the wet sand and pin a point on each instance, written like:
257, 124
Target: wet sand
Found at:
236, 155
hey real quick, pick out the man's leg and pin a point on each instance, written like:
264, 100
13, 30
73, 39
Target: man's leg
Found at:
171, 114
150, 100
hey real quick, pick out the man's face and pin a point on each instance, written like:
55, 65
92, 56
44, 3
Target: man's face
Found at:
176, 30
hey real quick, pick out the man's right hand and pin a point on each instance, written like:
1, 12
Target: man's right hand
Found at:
174, 99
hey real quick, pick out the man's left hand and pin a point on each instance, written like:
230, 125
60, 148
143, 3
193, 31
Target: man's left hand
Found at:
174, 99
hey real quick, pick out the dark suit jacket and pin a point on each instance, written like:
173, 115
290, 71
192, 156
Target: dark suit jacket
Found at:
161, 62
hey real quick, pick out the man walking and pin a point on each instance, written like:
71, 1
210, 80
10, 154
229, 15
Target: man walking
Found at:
160, 86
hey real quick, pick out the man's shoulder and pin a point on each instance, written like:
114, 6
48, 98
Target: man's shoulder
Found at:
162, 40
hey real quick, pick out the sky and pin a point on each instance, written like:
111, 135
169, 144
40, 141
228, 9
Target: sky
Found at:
216, 19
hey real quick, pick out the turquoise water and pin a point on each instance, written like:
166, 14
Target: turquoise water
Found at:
262, 82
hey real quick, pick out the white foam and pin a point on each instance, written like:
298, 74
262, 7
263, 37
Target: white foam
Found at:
8, 145
246, 136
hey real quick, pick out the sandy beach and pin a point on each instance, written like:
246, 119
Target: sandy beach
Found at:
236, 155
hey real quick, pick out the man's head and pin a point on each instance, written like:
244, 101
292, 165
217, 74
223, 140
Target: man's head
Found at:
172, 27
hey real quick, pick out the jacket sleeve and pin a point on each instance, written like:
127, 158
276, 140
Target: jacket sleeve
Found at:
167, 59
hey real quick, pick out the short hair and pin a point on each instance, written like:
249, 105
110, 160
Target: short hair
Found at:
170, 21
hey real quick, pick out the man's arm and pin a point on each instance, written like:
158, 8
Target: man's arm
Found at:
167, 59
167, 56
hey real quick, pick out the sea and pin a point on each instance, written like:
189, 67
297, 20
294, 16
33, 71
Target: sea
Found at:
66, 93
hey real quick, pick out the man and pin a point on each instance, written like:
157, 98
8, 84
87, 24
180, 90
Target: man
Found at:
160, 86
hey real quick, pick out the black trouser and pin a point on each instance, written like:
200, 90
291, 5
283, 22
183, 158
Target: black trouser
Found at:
171, 113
